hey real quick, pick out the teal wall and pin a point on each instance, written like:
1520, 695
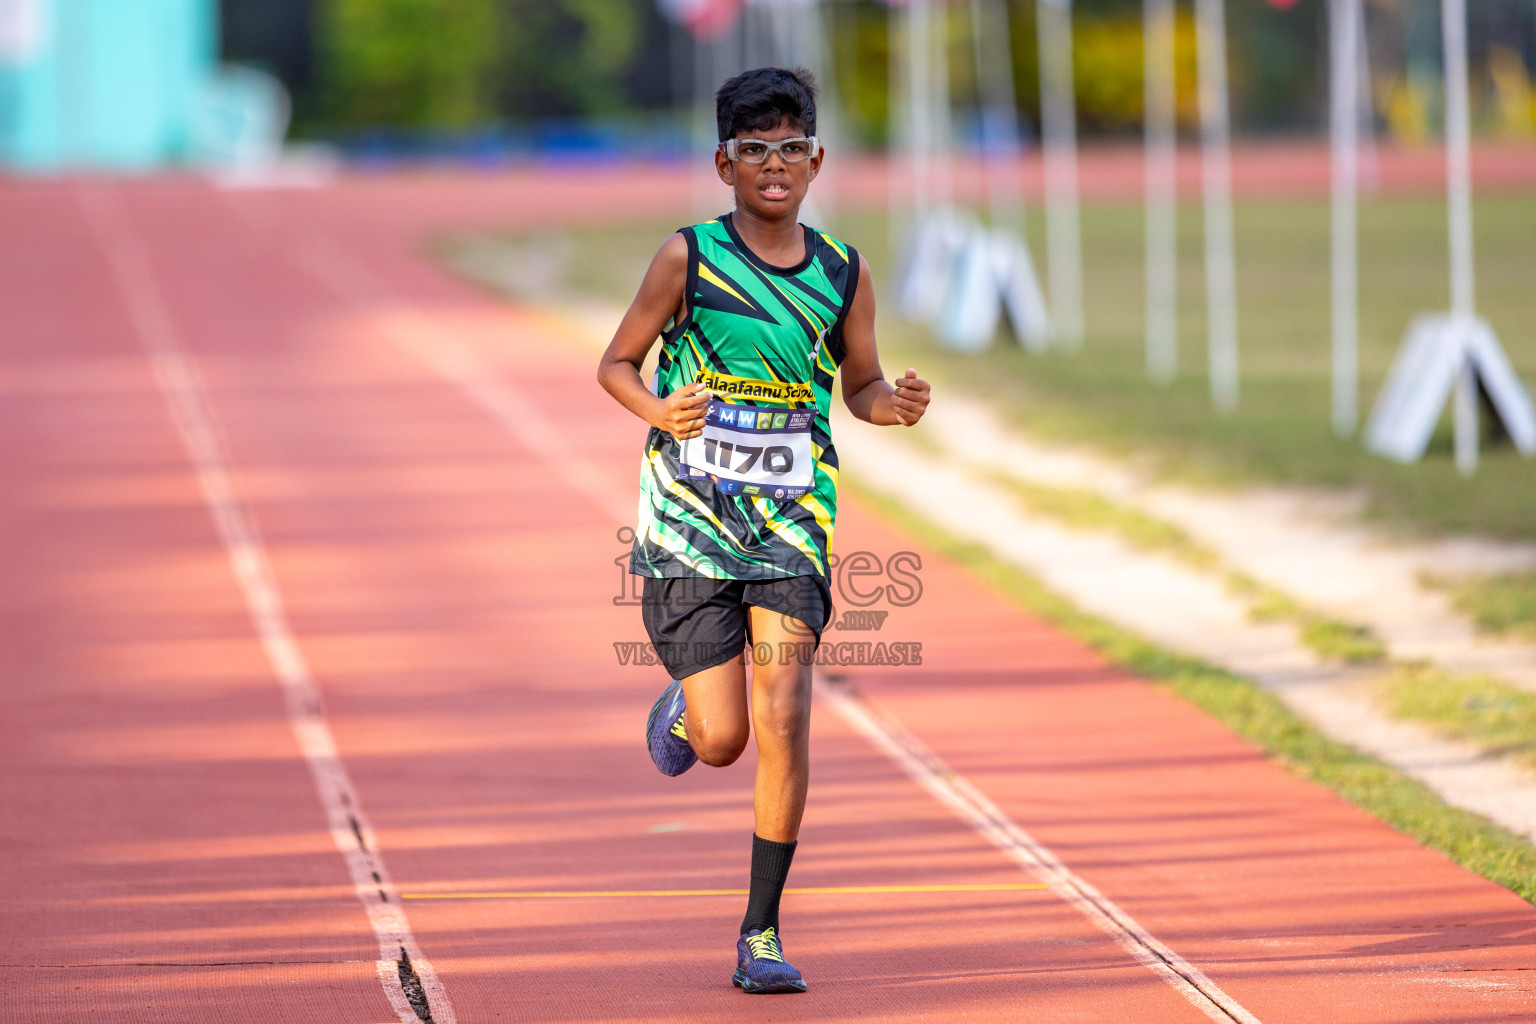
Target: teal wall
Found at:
111, 87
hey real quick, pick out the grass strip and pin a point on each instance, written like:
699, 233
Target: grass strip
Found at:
1504, 603
1474, 842
1484, 711
1333, 639
1342, 641
1089, 510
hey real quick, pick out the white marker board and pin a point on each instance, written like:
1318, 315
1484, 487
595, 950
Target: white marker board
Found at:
1423, 378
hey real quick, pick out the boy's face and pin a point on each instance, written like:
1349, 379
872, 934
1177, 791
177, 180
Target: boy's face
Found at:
774, 188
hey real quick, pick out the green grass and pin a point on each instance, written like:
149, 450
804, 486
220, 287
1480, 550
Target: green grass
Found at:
1281, 430
1087, 510
1261, 718
1329, 638
1342, 641
1486, 712
1504, 603
1266, 604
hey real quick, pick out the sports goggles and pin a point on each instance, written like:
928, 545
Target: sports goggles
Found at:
755, 151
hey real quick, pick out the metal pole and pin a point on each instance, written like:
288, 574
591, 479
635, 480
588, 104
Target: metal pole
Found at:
1058, 116
1458, 167
1458, 176
899, 144
1216, 167
813, 43
705, 181
1161, 172
756, 42
1344, 118
999, 114
919, 100
943, 135
786, 47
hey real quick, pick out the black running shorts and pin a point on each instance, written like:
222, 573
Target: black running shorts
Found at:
697, 623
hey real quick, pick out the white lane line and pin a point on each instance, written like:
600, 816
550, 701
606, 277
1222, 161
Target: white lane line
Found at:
461, 365
972, 806
354, 837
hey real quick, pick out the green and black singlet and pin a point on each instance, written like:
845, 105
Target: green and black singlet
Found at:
765, 340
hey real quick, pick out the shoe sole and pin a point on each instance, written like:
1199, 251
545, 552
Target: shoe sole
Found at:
650, 725
650, 719
744, 983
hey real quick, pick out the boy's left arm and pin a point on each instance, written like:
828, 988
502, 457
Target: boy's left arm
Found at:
865, 391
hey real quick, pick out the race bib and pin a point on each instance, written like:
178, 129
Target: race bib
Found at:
755, 450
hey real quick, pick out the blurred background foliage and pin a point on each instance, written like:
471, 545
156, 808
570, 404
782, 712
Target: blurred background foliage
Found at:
409, 63
468, 65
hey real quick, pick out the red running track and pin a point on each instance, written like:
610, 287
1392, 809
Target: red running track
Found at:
436, 485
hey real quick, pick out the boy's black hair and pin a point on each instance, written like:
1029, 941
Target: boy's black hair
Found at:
759, 99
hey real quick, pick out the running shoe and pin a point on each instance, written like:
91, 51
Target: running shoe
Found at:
760, 965
666, 737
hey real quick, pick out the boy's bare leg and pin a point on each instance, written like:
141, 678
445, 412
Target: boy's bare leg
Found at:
716, 714
781, 717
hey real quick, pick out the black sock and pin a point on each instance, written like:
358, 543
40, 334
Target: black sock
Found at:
770, 869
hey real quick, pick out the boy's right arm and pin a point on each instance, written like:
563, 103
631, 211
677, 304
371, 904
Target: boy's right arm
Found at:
659, 300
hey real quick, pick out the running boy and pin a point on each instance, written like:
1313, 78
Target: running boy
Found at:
757, 314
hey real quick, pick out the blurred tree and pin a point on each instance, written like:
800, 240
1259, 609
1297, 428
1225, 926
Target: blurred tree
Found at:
861, 57
1278, 60
458, 64
1106, 64
408, 63
569, 57
1275, 60
1511, 101
1107, 72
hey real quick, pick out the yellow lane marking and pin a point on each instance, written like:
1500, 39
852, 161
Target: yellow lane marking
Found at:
610, 893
